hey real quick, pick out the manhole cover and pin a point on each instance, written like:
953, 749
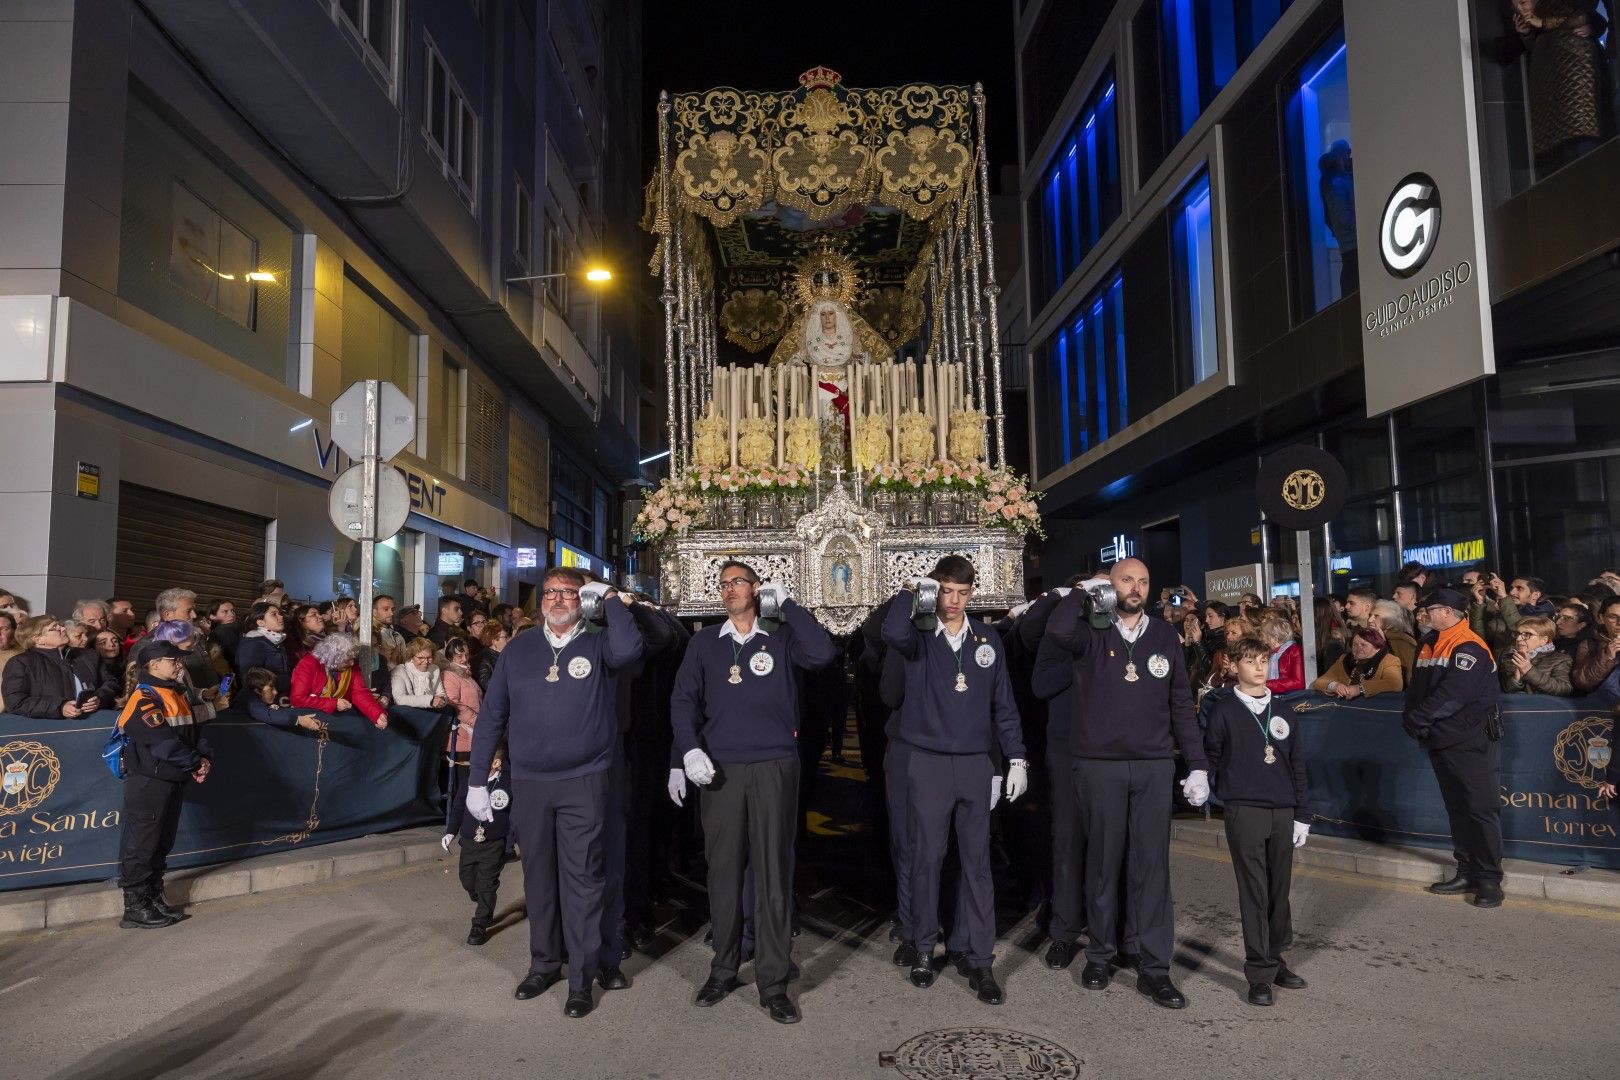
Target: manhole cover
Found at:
981, 1054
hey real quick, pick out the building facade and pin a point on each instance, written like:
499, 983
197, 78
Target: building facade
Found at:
217, 216
1198, 297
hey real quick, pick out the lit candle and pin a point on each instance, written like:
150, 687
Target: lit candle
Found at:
779, 404
735, 388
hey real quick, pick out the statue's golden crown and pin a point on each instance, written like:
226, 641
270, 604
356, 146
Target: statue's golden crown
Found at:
820, 78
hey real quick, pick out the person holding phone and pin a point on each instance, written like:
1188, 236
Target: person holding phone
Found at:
50, 680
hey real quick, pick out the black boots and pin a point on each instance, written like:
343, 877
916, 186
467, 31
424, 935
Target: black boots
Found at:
155, 891
1458, 883
140, 914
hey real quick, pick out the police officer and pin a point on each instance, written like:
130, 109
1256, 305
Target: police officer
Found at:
552, 701
958, 704
1451, 710
1132, 708
735, 711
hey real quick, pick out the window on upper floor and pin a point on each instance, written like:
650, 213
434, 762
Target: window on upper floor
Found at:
1321, 183
523, 227
450, 127
1079, 195
1192, 261
1081, 379
371, 25
556, 263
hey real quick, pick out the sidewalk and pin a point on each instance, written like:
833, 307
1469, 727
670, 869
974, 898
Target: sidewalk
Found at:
1522, 879
66, 905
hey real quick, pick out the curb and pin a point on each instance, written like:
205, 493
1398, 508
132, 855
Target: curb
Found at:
58, 906
1520, 878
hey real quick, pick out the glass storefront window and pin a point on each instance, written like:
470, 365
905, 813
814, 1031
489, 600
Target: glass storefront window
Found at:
1364, 545
1363, 449
1438, 437
1203, 42
1562, 407
1082, 378
1443, 524
1322, 203
456, 564
1080, 197
1558, 520
1193, 262
390, 559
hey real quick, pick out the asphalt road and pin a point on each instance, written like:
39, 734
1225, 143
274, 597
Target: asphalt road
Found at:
369, 977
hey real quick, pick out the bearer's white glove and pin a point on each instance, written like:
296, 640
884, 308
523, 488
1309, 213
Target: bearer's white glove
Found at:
775, 592
1017, 779
699, 769
444, 841
677, 787
478, 804
593, 590
1301, 831
1196, 787
995, 790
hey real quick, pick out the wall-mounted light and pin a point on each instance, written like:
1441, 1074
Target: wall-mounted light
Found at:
262, 275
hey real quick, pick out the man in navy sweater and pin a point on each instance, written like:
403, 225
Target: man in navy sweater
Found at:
735, 711
958, 704
1132, 709
551, 700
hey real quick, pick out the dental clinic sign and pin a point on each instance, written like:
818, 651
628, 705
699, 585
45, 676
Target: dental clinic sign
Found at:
1426, 314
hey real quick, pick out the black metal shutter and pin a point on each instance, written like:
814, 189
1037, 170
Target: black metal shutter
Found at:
165, 541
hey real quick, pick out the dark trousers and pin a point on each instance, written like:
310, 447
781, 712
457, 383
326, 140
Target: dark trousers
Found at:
559, 828
749, 812
1068, 915
649, 822
151, 818
1125, 816
1470, 776
946, 793
480, 867
1261, 841
613, 857
896, 760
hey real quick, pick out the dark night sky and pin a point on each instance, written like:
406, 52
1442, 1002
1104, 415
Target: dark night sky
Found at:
694, 46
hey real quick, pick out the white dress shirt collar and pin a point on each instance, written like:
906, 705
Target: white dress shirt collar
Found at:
956, 640
729, 629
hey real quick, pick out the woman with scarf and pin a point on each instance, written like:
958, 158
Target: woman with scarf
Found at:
330, 681
263, 645
1369, 669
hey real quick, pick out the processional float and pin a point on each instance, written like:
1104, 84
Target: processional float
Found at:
832, 346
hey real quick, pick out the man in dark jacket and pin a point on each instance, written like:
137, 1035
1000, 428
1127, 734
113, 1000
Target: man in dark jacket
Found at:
49, 680
1451, 706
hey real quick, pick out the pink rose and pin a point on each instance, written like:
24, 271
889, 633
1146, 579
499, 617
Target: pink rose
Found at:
1009, 512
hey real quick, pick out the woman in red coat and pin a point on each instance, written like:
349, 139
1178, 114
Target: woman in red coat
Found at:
329, 680
1287, 659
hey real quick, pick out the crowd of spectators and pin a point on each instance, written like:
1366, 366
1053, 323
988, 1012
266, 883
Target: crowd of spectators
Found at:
1564, 645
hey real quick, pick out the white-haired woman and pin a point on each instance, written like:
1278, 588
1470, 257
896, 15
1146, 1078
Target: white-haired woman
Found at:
329, 680
1396, 624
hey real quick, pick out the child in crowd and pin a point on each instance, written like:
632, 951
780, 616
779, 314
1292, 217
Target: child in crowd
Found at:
1258, 773
163, 755
259, 696
483, 843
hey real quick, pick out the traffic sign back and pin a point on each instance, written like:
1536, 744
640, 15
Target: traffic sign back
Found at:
396, 420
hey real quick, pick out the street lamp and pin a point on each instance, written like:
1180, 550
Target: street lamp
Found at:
598, 275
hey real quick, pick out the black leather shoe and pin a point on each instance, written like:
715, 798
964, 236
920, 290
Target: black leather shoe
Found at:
609, 977
960, 961
1457, 884
1126, 960
922, 972
1260, 994
894, 932
983, 983
714, 991
1162, 991
1095, 976
642, 937
536, 983
477, 936
782, 1009
905, 956
1288, 980
1061, 954
579, 1004
1488, 896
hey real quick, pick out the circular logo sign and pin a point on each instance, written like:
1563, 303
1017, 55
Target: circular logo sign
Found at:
1581, 751
1158, 665
29, 772
761, 663
499, 799
1304, 489
1410, 226
579, 667
984, 655
1279, 728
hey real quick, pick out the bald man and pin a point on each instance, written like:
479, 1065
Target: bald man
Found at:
1132, 707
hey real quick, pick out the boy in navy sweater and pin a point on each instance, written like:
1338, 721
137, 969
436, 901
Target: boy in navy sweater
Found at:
1259, 774
735, 711
958, 705
552, 702
483, 845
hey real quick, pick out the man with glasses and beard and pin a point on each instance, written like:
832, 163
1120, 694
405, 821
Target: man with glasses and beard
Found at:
1133, 708
551, 702
735, 711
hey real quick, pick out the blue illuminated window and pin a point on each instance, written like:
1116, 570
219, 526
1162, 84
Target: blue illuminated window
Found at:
1080, 195
1204, 42
1193, 261
1082, 381
1321, 181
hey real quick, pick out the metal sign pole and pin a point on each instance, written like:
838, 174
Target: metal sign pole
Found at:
1307, 605
368, 517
